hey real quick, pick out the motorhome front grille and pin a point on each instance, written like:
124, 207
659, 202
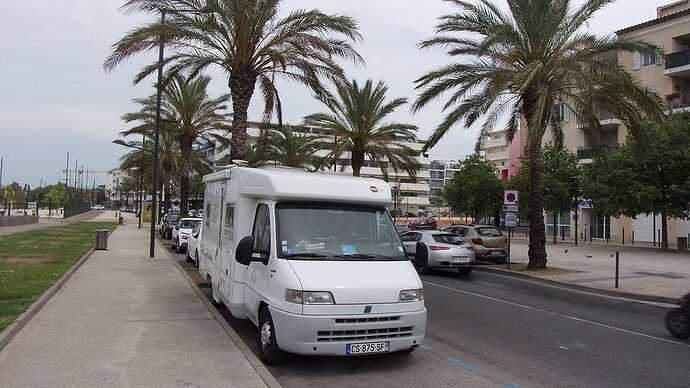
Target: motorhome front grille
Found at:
362, 335
366, 320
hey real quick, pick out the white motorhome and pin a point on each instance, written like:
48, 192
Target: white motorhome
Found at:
313, 260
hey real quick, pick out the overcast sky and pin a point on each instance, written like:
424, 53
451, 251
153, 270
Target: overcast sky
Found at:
55, 97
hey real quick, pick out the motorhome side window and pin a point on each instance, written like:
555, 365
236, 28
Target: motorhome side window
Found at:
262, 229
229, 215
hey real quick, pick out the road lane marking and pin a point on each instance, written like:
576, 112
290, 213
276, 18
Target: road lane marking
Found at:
462, 364
558, 314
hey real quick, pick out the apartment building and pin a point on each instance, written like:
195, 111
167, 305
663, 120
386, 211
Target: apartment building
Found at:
496, 149
441, 172
414, 192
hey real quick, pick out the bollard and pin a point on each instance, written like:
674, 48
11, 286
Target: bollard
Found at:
623, 236
617, 267
633, 237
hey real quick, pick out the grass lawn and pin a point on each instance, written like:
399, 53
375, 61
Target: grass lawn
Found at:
31, 262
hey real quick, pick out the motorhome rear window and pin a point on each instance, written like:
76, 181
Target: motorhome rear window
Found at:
336, 231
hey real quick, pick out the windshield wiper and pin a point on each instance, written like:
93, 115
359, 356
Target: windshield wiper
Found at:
304, 254
366, 256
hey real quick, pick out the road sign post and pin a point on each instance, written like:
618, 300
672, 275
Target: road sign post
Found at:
511, 220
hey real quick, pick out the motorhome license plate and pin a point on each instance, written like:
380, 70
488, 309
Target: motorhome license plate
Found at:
369, 347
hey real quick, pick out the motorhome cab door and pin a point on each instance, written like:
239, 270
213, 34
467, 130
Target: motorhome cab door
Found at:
258, 271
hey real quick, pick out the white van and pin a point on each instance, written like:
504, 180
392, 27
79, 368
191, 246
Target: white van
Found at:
313, 260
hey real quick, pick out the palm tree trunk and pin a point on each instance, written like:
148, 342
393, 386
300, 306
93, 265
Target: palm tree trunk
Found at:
537, 238
185, 163
241, 83
356, 161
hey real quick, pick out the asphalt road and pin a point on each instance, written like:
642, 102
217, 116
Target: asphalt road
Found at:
487, 329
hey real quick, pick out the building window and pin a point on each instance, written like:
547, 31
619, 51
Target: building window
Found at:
644, 60
561, 113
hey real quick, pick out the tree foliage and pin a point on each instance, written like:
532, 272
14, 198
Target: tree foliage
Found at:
475, 190
289, 148
523, 64
357, 122
252, 45
645, 176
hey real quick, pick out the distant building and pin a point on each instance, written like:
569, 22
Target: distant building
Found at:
441, 172
415, 192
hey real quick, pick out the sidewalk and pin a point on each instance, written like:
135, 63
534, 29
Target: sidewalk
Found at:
646, 271
125, 320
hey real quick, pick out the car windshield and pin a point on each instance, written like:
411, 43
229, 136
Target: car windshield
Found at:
489, 232
188, 224
448, 239
336, 232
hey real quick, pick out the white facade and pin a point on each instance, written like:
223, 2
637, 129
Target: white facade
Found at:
496, 149
415, 192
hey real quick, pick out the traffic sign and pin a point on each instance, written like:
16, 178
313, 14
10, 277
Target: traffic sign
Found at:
510, 197
510, 208
511, 219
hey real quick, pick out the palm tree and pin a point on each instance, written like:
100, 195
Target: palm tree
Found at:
290, 149
248, 40
356, 121
197, 118
524, 63
191, 117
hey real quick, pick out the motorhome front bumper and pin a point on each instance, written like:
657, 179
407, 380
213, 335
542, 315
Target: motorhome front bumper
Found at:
329, 335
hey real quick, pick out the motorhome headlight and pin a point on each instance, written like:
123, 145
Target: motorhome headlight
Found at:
411, 295
309, 297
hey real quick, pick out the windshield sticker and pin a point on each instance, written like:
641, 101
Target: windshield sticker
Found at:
289, 251
315, 246
400, 249
348, 249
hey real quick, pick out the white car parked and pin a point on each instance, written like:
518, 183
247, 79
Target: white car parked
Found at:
181, 232
193, 244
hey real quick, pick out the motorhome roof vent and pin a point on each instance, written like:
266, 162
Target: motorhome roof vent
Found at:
279, 167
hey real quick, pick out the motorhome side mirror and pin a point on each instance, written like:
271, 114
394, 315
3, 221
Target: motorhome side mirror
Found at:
244, 250
177, 228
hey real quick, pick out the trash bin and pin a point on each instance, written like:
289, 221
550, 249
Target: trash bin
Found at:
102, 239
682, 243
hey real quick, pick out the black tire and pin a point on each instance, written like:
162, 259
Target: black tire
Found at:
196, 259
268, 347
465, 270
179, 246
678, 323
422, 259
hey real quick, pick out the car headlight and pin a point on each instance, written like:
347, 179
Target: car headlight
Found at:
411, 295
309, 297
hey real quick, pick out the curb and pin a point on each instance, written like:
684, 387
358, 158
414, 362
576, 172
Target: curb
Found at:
10, 331
254, 361
577, 287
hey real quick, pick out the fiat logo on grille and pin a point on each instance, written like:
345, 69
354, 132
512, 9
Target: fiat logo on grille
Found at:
374, 189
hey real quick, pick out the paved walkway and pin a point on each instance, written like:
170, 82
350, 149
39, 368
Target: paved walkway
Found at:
125, 320
45, 222
647, 271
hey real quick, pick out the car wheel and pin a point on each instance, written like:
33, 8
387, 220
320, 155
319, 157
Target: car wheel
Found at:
677, 323
268, 347
465, 271
179, 247
196, 259
172, 244
421, 261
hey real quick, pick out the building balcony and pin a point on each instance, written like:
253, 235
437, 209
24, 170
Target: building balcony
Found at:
587, 154
678, 64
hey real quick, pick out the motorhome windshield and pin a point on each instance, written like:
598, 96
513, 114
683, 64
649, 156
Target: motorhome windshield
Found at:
336, 232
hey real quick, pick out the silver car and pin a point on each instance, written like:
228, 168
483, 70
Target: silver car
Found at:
431, 249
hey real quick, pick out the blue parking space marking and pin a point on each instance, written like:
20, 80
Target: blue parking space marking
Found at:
462, 364
424, 347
